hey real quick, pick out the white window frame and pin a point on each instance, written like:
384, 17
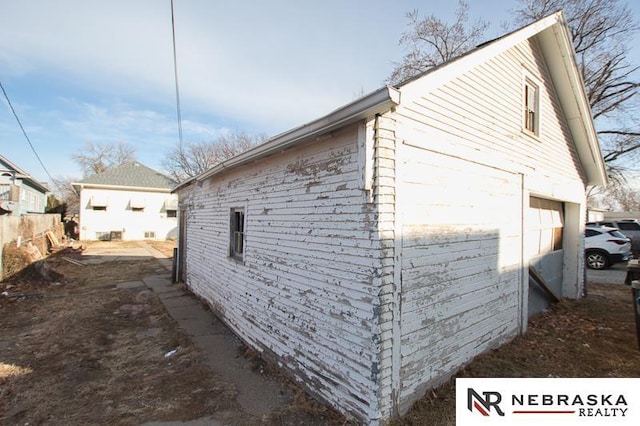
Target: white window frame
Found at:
237, 233
531, 126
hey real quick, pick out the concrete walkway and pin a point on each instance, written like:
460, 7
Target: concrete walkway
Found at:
258, 395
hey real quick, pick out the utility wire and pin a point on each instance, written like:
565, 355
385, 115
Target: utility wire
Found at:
175, 74
25, 133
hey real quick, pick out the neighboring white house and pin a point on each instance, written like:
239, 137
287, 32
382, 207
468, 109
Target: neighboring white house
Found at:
19, 192
129, 202
373, 252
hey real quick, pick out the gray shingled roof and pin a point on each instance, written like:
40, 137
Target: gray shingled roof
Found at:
132, 174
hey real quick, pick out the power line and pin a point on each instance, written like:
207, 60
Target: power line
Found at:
175, 74
25, 133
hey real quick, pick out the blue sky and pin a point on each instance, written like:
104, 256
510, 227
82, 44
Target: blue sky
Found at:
82, 71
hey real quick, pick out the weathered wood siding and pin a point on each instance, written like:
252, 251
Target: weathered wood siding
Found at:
385, 183
305, 292
464, 168
461, 272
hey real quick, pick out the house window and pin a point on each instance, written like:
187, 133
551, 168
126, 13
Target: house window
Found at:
137, 204
103, 236
172, 213
149, 235
531, 106
99, 202
236, 246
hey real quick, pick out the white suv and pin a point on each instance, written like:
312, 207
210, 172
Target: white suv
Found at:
605, 246
629, 227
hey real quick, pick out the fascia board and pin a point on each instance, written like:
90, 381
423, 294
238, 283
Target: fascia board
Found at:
377, 102
80, 185
560, 58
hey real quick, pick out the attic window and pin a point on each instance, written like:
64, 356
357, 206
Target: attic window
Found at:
531, 107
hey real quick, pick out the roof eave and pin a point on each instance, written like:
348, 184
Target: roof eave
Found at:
37, 185
374, 103
574, 100
81, 185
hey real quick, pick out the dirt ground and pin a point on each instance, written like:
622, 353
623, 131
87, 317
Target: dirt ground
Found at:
76, 350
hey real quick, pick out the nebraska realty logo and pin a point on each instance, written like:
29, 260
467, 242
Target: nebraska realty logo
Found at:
554, 401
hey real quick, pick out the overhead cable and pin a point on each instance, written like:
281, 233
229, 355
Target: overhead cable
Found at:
24, 132
175, 74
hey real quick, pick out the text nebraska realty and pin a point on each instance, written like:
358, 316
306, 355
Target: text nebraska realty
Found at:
584, 405
590, 405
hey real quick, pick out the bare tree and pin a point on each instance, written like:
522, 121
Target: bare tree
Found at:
96, 158
621, 197
63, 190
191, 159
430, 41
601, 31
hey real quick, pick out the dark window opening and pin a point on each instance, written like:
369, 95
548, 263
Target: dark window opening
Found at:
237, 233
531, 107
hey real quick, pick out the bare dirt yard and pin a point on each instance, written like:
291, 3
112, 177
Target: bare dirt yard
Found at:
77, 350
74, 349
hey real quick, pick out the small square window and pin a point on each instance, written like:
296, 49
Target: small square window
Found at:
236, 246
103, 236
531, 107
172, 213
149, 235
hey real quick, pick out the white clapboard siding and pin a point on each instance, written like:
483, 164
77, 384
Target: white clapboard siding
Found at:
305, 291
457, 288
464, 161
480, 125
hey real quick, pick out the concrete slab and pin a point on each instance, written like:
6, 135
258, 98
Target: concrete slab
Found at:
222, 354
168, 289
194, 312
157, 281
196, 327
169, 293
180, 301
167, 264
162, 275
131, 284
221, 349
151, 250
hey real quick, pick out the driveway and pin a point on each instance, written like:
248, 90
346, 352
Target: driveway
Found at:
613, 275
